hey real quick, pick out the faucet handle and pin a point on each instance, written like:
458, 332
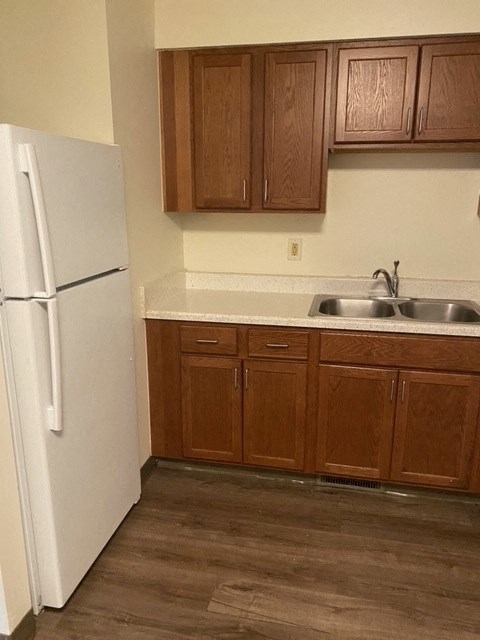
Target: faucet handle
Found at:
395, 266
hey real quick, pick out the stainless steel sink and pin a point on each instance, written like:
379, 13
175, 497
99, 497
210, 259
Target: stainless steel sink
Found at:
440, 311
403, 309
356, 308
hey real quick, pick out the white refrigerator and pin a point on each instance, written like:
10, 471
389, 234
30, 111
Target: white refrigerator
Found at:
67, 341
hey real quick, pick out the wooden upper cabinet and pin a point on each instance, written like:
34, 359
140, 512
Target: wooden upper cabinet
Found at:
355, 421
435, 429
376, 94
293, 134
449, 92
244, 129
222, 125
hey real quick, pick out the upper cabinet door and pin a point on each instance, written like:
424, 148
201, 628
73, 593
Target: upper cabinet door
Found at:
293, 136
449, 92
222, 104
376, 94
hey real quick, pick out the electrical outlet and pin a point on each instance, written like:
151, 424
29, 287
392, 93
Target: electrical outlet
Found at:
294, 251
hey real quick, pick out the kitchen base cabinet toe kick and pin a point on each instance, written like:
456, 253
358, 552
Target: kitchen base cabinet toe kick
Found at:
391, 408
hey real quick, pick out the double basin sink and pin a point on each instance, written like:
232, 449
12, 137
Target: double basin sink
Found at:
419, 309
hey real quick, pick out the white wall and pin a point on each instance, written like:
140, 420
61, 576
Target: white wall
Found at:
155, 241
420, 208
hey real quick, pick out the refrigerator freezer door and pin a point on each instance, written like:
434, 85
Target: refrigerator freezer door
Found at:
82, 480
76, 188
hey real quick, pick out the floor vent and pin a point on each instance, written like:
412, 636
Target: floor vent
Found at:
348, 482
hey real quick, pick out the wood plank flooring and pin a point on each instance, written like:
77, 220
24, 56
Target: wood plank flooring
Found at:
225, 556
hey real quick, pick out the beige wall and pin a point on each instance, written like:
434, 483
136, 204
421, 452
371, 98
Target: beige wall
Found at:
419, 208
54, 72
155, 241
197, 23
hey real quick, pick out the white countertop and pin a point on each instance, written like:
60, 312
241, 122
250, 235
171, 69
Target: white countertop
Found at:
285, 301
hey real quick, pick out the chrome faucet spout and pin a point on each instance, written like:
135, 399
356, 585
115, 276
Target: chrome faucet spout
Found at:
391, 280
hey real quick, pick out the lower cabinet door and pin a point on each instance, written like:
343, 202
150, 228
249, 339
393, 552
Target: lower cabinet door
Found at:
274, 414
355, 421
212, 408
436, 424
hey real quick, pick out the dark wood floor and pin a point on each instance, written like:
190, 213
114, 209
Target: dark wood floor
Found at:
214, 555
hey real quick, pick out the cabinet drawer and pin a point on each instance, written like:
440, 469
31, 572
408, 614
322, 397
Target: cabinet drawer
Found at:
213, 340
277, 343
419, 352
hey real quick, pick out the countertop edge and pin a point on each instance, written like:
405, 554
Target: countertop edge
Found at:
342, 324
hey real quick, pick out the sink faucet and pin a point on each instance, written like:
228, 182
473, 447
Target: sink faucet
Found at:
391, 280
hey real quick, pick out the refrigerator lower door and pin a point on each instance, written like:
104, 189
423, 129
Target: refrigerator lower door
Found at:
62, 213
83, 467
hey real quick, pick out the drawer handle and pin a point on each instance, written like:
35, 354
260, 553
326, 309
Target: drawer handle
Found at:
277, 345
202, 341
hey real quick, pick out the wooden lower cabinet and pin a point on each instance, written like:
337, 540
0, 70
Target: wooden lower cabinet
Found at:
355, 421
274, 414
212, 408
435, 428
378, 410
272, 419
424, 422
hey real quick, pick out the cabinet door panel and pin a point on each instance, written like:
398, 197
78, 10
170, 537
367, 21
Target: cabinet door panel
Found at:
212, 408
355, 421
293, 138
449, 92
222, 103
274, 414
435, 428
375, 94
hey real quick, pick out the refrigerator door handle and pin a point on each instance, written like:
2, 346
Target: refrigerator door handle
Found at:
29, 166
54, 411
